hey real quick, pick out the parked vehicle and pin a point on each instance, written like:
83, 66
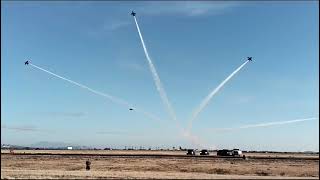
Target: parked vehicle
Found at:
204, 152
191, 152
224, 152
236, 152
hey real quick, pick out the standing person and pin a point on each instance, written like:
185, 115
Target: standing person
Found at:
244, 157
88, 163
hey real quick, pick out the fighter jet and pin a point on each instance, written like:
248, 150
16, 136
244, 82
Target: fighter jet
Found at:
26, 63
133, 13
249, 58
130, 109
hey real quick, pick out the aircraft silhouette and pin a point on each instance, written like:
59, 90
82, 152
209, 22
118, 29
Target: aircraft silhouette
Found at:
249, 58
26, 63
133, 13
130, 109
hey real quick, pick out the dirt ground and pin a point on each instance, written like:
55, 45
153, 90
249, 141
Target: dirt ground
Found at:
67, 166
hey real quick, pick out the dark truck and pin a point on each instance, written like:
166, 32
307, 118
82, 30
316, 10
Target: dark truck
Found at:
224, 152
204, 152
191, 152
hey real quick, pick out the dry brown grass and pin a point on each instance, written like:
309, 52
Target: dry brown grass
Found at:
66, 167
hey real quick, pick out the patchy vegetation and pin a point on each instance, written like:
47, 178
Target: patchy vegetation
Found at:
174, 167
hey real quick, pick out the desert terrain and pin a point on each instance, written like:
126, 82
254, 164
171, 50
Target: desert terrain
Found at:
63, 164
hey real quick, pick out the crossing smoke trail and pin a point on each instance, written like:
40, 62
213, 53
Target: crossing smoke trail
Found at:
156, 78
163, 95
206, 101
193, 139
112, 98
265, 124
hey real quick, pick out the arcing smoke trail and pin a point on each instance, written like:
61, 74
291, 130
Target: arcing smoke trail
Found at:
112, 98
156, 78
205, 102
266, 124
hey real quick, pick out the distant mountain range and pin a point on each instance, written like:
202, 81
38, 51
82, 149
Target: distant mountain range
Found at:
47, 145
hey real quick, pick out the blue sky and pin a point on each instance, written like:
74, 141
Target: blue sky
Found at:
194, 46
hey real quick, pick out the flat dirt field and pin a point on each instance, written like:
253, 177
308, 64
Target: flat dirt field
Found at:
59, 164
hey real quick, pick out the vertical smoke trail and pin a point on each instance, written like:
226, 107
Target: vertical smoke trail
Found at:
265, 124
194, 140
112, 98
206, 101
156, 78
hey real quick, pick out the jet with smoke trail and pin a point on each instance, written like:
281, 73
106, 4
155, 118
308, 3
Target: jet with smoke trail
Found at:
116, 100
155, 75
206, 101
112, 98
263, 124
163, 95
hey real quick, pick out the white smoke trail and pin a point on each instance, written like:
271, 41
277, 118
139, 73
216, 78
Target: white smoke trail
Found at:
206, 101
156, 78
163, 95
195, 140
116, 100
265, 124
112, 98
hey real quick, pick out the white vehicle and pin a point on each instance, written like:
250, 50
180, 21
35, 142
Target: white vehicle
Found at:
236, 152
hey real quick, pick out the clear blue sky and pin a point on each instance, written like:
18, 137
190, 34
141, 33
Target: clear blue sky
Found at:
194, 46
